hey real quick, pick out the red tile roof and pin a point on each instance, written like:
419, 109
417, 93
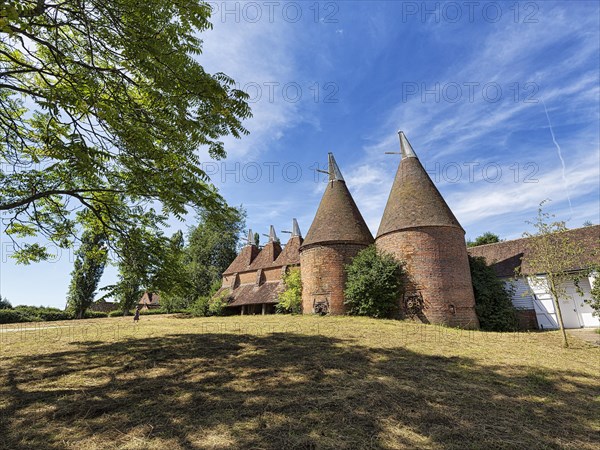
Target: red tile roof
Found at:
291, 253
251, 294
507, 256
266, 257
243, 260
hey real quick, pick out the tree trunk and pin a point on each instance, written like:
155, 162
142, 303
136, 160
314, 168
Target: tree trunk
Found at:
558, 314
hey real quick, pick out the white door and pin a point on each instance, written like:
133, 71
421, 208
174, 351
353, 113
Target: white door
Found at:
584, 310
570, 315
576, 313
542, 303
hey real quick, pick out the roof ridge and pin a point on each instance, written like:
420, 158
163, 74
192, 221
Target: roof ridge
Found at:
506, 241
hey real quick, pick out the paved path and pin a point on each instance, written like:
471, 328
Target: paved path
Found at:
9, 330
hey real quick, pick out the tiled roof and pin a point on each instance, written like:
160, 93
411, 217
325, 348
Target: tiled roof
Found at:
266, 257
338, 218
291, 253
251, 294
506, 256
243, 260
414, 201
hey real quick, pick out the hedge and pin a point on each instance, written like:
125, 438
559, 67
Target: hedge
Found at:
41, 314
15, 316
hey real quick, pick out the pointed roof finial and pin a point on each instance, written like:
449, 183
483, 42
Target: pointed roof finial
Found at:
295, 228
334, 171
250, 237
272, 235
406, 149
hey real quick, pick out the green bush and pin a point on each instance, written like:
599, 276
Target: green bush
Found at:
492, 300
44, 313
116, 313
374, 284
49, 315
217, 304
152, 312
200, 307
13, 316
24, 313
172, 303
290, 300
95, 314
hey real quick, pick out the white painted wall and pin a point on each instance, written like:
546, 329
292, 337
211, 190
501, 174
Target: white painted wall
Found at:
576, 313
522, 297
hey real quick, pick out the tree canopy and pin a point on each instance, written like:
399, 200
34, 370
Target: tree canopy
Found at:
104, 107
486, 238
212, 246
90, 260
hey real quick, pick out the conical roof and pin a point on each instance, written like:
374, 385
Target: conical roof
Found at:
414, 200
245, 258
338, 218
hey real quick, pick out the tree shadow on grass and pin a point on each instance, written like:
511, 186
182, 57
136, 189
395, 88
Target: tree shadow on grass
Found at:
285, 390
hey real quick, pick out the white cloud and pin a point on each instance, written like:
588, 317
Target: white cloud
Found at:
255, 55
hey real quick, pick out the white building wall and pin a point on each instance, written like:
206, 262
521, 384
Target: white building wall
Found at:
521, 295
575, 311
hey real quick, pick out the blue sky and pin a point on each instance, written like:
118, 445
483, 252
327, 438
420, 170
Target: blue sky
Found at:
491, 97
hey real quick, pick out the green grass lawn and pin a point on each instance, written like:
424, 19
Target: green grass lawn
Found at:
292, 382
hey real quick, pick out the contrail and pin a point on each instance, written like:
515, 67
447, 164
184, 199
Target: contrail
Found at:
562, 161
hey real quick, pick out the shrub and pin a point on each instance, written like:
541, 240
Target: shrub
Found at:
116, 313
49, 315
290, 300
44, 313
200, 307
24, 313
492, 299
217, 304
15, 316
152, 312
374, 284
172, 303
95, 314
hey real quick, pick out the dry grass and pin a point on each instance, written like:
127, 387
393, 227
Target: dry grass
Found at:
292, 382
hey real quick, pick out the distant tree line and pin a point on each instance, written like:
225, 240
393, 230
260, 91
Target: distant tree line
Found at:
183, 269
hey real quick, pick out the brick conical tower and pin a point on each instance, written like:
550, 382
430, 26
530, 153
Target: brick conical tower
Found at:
337, 234
419, 228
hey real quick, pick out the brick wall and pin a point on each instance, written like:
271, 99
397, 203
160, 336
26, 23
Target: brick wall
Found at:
438, 268
527, 319
324, 275
273, 274
248, 277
